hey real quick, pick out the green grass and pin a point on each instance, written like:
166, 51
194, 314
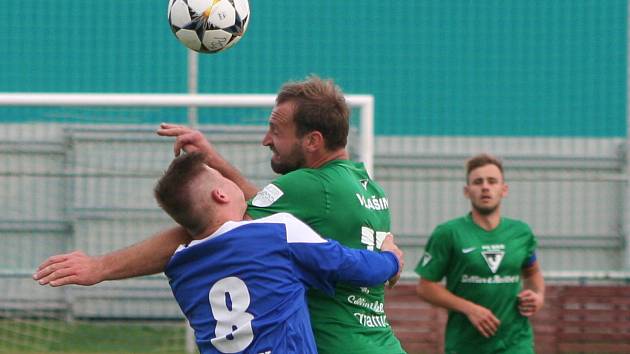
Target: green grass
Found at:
28, 336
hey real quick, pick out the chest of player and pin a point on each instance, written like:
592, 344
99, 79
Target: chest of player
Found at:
481, 255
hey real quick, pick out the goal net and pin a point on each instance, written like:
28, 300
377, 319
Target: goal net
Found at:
77, 172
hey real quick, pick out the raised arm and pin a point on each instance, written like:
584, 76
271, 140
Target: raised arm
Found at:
190, 140
146, 257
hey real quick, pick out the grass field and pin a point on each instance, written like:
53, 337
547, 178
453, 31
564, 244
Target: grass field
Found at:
28, 336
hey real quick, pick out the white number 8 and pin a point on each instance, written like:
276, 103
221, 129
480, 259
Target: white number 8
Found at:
234, 326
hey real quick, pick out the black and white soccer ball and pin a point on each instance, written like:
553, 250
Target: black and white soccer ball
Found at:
208, 26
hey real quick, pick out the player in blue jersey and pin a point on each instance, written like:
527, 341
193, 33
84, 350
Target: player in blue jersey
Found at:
242, 284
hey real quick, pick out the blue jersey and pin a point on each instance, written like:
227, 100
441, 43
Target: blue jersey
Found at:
243, 288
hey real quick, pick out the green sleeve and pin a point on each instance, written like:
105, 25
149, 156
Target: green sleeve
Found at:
434, 263
299, 192
531, 246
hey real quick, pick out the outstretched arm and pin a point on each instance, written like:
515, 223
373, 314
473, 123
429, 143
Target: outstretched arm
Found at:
328, 262
146, 257
482, 318
190, 140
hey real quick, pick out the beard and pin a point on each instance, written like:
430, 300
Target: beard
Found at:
485, 210
293, 161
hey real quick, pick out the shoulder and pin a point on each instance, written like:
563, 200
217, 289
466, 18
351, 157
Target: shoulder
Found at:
304, 178
516, 225
299, 183
297, 231
449, 226
447, 233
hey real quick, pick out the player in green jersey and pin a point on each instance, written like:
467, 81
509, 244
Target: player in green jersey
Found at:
484, 258
307, 135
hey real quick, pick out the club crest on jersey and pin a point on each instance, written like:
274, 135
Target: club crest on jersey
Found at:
493, 259
426, 258
267, 196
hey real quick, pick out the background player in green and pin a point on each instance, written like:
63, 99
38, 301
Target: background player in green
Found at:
308, 131
484, 258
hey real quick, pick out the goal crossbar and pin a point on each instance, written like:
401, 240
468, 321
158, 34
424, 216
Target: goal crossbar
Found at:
364, 102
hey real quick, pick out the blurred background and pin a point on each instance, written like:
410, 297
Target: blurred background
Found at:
541, 84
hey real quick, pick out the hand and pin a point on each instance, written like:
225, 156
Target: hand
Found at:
484, 320
529, 302
187, 139
389, 246
70, 268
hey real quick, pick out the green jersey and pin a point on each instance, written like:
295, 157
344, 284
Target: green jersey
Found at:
483, 267
341, 202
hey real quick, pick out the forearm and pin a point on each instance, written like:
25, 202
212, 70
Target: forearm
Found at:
438, 295
532, 298
369, 268
149, 256
533, 280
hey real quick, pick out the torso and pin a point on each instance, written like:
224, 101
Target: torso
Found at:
340, 202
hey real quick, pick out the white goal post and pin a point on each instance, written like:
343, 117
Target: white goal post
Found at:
364, 102
192, 101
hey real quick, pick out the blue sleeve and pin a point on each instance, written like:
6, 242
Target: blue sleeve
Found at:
322, 265
530, 261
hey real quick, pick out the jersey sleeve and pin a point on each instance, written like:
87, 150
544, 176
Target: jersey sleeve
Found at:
434, 262
322, 263
531, 248
297, 193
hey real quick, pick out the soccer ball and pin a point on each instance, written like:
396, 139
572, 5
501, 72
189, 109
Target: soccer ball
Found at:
208, 26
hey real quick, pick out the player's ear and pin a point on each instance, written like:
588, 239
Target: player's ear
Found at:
505, 190
466, 191
313, 141
219, 196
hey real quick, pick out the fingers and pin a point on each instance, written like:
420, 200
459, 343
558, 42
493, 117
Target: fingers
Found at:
187, 139
393, 280
175, 130
528, 303
525, 294
389, 245
488, 328
388, 241
70, 268
59, 277
484, 321
167, 129
187, 142
526, 311
50, 265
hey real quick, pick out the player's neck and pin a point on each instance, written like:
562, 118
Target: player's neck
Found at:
218, 220
321, 158
487, 222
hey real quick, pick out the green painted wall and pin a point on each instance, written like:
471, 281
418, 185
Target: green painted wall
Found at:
436, 67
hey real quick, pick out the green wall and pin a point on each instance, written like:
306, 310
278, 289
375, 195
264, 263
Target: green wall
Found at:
438, 67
